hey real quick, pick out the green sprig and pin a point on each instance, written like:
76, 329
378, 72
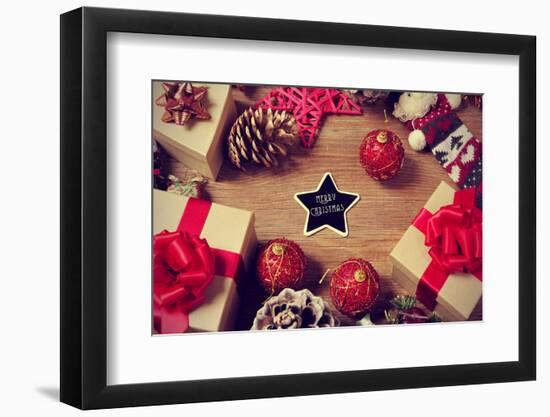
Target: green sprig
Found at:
434, 318
403, 302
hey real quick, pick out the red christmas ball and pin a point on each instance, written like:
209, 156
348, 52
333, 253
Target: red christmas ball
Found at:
354, 287
381, 154
281, 264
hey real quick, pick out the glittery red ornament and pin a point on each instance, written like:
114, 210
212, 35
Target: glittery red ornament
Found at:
381, 154
281, 264
354, 287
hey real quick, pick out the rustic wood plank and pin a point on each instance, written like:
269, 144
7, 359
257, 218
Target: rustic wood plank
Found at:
377, 221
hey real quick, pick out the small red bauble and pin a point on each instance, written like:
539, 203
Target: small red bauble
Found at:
381, 154
354, 287
281, 264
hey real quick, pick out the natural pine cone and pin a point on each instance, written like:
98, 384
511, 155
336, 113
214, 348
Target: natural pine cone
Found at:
293, 310
368, 97
260, 136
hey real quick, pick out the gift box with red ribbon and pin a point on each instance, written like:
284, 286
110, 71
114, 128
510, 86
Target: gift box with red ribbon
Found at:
200, 249
439, 258
199, 143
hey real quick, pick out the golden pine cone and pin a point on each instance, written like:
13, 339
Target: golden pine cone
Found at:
259, 136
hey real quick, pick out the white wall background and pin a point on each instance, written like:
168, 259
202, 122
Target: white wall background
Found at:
29, 209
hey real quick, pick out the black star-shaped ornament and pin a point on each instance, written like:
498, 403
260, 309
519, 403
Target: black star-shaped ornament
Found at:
326, 207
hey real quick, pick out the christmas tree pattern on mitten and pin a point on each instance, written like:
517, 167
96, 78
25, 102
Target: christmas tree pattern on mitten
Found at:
456, 149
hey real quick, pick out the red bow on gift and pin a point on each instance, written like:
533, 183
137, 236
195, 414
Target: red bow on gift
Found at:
183, 267
453, 234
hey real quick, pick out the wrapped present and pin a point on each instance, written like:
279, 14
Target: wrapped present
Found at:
440, 255
199, 251
195, 138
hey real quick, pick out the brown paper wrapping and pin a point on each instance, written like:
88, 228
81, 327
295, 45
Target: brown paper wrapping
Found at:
461, 292
225, 228
199, 143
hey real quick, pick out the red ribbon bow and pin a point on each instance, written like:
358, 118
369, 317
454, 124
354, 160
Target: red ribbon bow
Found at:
183, 267
454, 236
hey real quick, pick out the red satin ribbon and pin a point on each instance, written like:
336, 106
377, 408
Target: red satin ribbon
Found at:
454, 236
184, 266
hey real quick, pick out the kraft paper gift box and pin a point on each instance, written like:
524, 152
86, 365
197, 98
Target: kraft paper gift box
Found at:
231, 236
199, 144
453, 296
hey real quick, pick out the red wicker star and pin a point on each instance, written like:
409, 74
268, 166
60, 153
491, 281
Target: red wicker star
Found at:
181, 101
309, 105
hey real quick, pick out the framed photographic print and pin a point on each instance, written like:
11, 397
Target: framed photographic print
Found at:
258, 208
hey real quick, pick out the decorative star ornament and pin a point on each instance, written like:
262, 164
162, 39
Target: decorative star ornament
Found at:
181, 101
326, 207
309, 106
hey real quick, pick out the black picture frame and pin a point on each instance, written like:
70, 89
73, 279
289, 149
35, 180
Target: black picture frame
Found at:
84, 207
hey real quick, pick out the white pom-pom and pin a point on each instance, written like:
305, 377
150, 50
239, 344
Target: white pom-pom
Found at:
454, 100
417, 140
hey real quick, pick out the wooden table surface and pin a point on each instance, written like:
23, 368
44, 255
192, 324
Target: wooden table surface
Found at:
375, 223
